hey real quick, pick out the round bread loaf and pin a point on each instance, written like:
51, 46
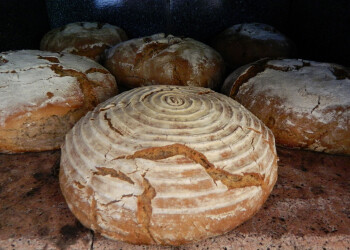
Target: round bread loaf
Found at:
306, 104
83, 38
165, 60
248, 42
42, 95
167, 165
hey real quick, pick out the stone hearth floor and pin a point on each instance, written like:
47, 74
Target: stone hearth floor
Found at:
308, 208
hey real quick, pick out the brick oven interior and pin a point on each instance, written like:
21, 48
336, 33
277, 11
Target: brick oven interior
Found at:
308, 208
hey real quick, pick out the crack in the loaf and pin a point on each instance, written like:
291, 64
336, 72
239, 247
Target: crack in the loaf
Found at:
318, 104
151, 93
288, 68
113, 173
144, 207
109, 149
109, 106
17, 71
255, 160
121, 198
256, 131
204, 92
251, 72
3, 61
96, 70
93, 212
340, 73
79, 185
49, 58
86, 85
252, 144
150, 50
265, 140
111, 125
144, 201
231, 181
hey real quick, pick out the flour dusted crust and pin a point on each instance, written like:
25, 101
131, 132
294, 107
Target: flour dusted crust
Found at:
248, 42
306, 104
42, 95
165, 60
167, 165
88, 39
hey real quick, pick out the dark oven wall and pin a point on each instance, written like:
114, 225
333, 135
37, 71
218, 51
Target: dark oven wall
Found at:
320, 28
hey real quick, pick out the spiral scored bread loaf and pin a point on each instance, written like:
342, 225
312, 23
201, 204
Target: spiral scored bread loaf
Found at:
42, 95
88, 39
165, 60
306, 104
167, 165
248, 42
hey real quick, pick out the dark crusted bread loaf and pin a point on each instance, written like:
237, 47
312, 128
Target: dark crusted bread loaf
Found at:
88, 39
165, 60
167, 165
306, 104
248, 42
42, 95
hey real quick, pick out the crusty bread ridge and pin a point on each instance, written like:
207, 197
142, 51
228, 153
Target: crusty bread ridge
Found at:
167, 165
42, 95
306, 104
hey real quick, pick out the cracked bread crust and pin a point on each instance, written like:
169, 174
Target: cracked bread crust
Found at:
165, 60
167, 165
43, 94
306, 104
88, 39
245, 43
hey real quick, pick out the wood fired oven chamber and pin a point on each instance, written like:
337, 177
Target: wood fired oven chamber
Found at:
310, 204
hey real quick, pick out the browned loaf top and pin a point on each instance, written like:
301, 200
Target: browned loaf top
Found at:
248, 42
306, 104
42, 95
165, 60
167, 165
88, 39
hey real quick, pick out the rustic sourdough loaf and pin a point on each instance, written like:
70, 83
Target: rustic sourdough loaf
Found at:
88, 39
165, 60
42, 94
306, 104
167, 165
245, 43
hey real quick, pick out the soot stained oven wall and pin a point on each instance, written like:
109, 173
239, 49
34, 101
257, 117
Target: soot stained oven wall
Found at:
320, 28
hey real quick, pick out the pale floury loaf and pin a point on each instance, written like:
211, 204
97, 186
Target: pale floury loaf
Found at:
167, 165
42, 95
306, 104
165, 60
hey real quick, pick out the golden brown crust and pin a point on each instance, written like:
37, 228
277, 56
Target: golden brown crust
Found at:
131, 171
36, 115
165, 60
316, 120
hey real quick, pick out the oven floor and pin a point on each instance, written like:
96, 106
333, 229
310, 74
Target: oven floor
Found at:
308, 208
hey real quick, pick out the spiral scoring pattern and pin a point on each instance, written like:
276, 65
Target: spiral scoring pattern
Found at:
148, 161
